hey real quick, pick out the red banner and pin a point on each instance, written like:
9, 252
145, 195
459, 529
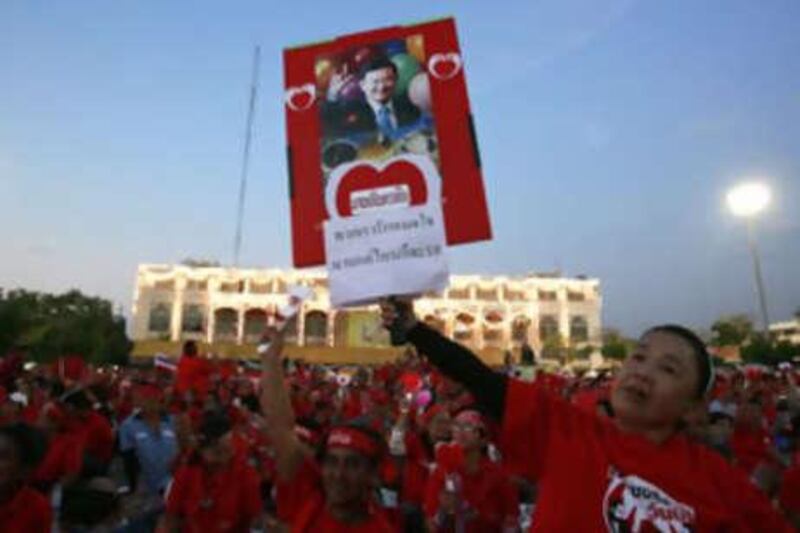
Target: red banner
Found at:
374, 97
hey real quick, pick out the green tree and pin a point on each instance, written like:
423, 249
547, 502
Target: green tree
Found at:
615, 345
732, 330
48, 326
766, 351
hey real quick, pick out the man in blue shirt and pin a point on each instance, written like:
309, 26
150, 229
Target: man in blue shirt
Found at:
149, 448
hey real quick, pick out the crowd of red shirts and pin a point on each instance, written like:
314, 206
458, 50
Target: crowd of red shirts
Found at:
413, 407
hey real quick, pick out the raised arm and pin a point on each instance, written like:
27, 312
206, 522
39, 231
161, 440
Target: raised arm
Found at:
453, 360
278, 413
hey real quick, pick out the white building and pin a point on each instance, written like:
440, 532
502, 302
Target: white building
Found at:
227, 305
788, 331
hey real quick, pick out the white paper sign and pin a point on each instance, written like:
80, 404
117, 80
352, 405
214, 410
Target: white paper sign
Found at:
393, 242
390, 252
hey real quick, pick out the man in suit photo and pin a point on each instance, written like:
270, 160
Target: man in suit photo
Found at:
379, 112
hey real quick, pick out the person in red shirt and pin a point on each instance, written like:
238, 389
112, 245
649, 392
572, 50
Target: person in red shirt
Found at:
93, 429
635, 472
22, 508
193, 374
213, 492
467, 491
63, 459
750, 442
337, 491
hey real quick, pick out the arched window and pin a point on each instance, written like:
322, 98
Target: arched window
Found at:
255, 323
159, 320
519, 329
578, 329
548, 327
463, 330
226, 321
316, 328
192, 319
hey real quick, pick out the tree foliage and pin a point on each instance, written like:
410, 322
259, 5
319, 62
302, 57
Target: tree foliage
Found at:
615, 345
732, 330
767, 351
50, 325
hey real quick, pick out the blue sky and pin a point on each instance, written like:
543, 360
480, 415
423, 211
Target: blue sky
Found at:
609, 133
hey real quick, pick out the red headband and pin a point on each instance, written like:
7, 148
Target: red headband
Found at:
353, 439
471, 417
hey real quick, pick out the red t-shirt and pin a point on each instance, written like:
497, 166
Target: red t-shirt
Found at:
593, 477
790, 490
301, 504
64, 457
193, 373
228, 500
489, 496
99, 437
750, 448
27, 511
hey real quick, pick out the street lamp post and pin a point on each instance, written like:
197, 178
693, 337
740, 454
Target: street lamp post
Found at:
747, 201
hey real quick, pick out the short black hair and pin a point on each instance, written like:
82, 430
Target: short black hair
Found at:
30, 442
78, 399
377, 63
214, 425
702, 358
190, 348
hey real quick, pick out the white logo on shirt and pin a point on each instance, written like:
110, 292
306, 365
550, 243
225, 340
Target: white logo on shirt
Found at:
632, 504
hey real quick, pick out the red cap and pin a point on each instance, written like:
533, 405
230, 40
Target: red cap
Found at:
353, 439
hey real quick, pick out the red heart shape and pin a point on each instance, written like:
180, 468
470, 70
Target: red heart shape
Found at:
365, 177
300, 98
444, 66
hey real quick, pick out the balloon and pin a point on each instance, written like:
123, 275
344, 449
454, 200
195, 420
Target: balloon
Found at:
419, 92
351, 91
416, 47
323, 71
362, 56
423, 398
394, 47
407, 67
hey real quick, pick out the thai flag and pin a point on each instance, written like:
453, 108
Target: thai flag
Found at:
163, 362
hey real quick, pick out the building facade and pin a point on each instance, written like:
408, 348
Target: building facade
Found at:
227, 305
788, 331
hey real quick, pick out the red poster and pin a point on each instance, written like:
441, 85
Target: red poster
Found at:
366, 100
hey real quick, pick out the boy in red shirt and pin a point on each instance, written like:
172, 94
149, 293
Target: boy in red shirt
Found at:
636, 472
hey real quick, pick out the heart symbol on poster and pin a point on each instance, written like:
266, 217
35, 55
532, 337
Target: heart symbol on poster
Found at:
444, 66
301, 98
411, 173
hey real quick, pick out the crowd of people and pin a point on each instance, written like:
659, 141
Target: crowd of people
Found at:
435, 441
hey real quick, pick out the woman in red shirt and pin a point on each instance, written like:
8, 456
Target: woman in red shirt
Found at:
467, 491
21, 507
638, 472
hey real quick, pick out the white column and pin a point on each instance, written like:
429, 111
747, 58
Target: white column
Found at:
176, 321
240, 326
301, 326
210, 323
